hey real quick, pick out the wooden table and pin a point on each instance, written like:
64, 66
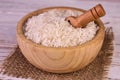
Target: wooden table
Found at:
11, 11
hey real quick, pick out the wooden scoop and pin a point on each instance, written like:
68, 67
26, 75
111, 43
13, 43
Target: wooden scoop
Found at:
90, 15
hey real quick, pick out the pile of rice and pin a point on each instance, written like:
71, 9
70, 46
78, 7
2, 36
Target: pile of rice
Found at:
50, 29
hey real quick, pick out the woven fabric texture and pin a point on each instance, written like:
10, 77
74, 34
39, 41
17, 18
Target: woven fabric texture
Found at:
16, 65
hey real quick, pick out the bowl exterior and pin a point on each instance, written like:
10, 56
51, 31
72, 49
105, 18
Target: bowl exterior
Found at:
59, 60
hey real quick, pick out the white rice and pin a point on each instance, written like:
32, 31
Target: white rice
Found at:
50, 29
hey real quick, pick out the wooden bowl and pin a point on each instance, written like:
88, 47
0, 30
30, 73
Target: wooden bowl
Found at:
59, 60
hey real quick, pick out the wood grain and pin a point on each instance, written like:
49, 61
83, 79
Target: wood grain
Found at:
12, 10
59, 60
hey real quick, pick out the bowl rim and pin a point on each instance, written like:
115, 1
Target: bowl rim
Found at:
20, 25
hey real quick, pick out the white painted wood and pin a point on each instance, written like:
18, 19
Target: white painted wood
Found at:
11, 11
5, 77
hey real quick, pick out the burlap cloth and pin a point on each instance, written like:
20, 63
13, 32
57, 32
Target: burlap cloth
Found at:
16, 65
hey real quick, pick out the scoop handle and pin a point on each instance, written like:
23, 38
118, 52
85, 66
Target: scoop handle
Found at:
90, 15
